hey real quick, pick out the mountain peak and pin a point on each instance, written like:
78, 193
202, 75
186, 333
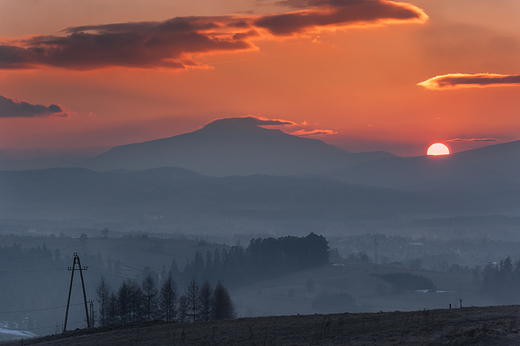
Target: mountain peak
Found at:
232, 146
248, 122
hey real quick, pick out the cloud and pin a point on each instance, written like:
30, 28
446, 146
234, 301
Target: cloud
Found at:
171, 43
10, 108
338, 13
473, 140
460, 80
247, 121
145, 44
253, 121
315, 132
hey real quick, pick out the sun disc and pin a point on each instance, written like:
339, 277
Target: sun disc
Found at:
438, 149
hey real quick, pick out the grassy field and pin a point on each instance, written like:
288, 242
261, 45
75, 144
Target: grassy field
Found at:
294, 294
489, 326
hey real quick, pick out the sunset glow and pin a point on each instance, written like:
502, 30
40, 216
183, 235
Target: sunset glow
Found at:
438, 149
350, 73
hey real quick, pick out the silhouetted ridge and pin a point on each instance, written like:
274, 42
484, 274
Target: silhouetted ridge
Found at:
499, 162
233, 146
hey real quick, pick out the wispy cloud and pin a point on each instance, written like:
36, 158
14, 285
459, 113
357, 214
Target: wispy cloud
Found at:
171, 43
10, 108
473, 140
250, 120
315, 132
480, 80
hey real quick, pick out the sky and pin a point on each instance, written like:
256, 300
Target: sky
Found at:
79, 77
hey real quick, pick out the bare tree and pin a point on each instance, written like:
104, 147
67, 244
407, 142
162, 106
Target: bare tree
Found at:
137, 302
183, 308
192, 294
205, 300
112, 309
103, 292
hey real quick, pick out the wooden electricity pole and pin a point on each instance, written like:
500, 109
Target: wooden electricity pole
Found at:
73, 268
375, 246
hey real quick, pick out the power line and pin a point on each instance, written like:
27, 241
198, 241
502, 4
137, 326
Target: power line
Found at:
31, 257
34, 310
30, 271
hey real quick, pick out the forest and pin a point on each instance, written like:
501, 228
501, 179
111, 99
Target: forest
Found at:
134, 302
34, 280
500, 280
262, 258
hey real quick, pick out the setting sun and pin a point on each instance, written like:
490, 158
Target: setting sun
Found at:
438, 149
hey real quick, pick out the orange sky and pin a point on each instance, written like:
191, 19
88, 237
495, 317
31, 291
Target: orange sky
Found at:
350, 69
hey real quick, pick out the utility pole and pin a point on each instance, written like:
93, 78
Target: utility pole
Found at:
73, 268
92, 313
375, 245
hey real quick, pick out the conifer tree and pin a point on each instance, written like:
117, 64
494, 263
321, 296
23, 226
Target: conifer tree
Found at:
124, 302
150, 297
168, 298
222, 307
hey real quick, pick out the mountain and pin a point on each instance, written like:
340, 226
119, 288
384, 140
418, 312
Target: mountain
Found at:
41, 162
174, 196
497, 166
233, 146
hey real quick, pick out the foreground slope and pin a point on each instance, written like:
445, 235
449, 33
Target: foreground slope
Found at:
233, 146
488, 326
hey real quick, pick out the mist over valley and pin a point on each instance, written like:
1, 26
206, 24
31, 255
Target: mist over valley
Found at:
398, 233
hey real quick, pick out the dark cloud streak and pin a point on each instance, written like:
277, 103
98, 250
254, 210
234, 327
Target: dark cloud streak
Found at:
10, 108
146, 44
337, 13
171, 43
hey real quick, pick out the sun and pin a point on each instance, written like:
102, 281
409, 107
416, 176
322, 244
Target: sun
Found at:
438, 149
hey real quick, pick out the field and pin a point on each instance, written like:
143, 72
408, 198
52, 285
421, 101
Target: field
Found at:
490, 326
294, 294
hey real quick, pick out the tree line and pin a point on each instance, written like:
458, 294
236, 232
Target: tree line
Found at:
263, 258
134, 302
500, 280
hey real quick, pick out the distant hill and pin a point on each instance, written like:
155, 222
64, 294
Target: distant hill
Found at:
496, 165
172, 196
233, 146
42, 162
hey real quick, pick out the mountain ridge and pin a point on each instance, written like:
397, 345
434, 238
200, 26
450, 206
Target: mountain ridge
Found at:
475, 166
233, 146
